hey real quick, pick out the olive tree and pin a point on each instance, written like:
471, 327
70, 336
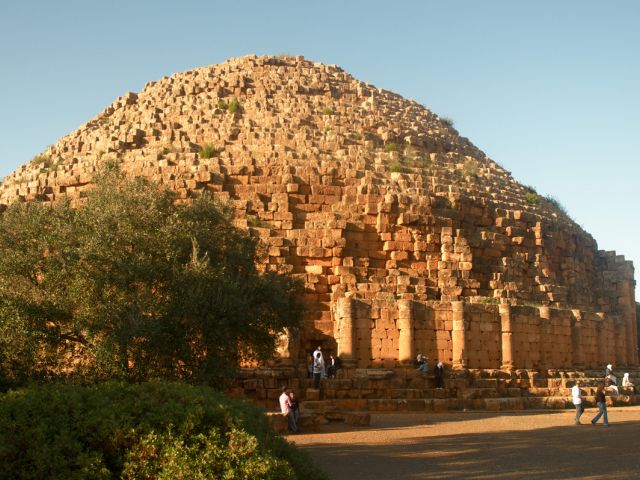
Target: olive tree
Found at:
133, 285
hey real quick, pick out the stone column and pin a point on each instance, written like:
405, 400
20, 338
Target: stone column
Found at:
406, 352
459, 336
631, 339
621, 351
605, 340
344, 331
545, 334
603, 351
507, 336
576, 336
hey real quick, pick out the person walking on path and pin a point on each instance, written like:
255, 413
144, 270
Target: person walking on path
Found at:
285, 407
439, 371
577, 401
318, 367
601, 401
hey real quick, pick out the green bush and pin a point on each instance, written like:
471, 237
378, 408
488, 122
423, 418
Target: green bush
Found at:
470, 168
234, 106
327, 111
447, 121
208, 151
154, 430
222, 105
43, 160
397, 167
556, 203
531, 198
390, 147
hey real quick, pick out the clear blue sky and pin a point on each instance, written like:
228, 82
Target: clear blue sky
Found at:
547, 88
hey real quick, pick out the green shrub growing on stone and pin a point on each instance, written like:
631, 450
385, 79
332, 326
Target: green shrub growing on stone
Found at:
447, 121
208, 151
470, 168
531, 198
390, 147
555, 203
234, 106
222, 105
43, 160
327, 111
153, 430
397, 167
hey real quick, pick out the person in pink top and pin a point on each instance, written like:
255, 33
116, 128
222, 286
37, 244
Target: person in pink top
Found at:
285, 407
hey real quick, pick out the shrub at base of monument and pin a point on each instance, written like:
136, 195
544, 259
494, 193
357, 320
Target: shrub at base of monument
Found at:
151, 430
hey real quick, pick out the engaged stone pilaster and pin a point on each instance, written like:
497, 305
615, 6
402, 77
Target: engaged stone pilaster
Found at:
459, 336
621, 350
405, 326
576, 335
545, 334
507, 336
630, 337
344, 331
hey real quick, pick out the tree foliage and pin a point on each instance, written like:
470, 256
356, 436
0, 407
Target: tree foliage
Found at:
132, 285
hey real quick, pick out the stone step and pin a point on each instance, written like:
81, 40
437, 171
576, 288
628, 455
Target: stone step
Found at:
330, 407
485, 383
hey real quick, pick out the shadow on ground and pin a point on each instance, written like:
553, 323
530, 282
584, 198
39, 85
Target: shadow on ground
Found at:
571, 452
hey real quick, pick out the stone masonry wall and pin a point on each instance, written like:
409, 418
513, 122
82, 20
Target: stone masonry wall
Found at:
494, 336
363, 194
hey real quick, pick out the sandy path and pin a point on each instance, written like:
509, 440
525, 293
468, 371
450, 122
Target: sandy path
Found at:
500, 445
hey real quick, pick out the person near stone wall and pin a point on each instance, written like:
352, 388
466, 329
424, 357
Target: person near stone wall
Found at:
608, 371
423, 363
577, 401
626, 383
318, 367
439, 372
285, 408
295, 410
610, 380
334, 365
601, 401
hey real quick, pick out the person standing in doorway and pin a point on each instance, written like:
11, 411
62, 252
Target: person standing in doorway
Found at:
577, 401
318, 367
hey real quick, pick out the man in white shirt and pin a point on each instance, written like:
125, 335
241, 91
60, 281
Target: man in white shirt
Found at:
577, 401
285, 407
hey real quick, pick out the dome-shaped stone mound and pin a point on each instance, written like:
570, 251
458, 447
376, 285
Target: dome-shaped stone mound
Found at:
405, 234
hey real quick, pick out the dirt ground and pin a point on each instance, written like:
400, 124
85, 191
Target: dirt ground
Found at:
483, 445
